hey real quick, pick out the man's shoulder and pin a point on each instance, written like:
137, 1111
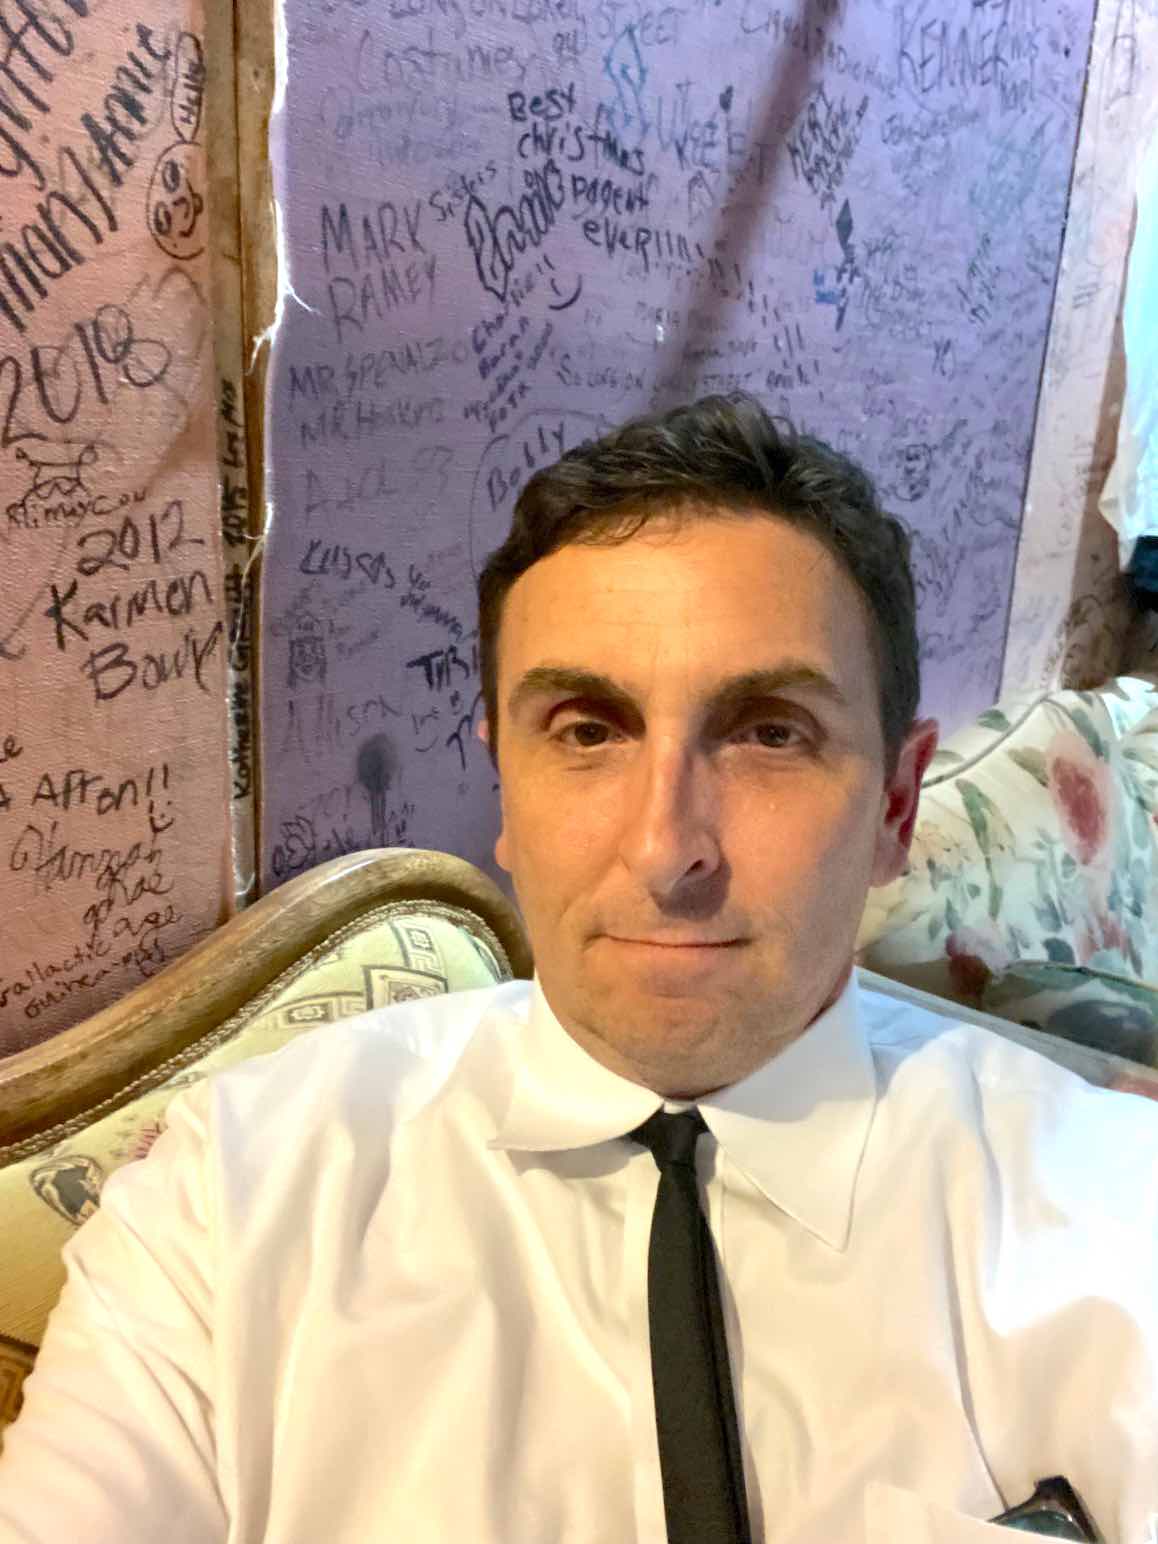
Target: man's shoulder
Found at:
963, 1069
404, 1052
1048, 1182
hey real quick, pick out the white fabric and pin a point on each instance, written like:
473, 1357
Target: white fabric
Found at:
1129, 497
390, 1284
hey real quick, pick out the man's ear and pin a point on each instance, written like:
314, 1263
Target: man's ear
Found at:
502, 846
901, 798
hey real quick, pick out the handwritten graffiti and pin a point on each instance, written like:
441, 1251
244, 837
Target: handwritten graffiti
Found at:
497, 240
59, 475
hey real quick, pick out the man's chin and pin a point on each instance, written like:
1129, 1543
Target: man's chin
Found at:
642, 1017
660, 986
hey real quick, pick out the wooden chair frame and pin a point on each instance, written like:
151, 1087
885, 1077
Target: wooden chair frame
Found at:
79, 1068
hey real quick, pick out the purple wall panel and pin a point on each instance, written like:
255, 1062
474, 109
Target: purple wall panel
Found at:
510, 223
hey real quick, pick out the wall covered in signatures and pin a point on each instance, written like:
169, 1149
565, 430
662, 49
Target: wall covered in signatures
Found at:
510, 223
500, 226
114, 785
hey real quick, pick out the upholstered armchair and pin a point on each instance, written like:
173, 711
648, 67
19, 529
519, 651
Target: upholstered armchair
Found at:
1032, 887
360, 932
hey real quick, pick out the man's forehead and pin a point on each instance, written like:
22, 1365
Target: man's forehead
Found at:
723, 571
698, 604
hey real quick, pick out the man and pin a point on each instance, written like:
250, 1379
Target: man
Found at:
419, 1276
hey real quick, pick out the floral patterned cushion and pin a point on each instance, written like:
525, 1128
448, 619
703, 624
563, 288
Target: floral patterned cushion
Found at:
1090, 1007
1035, 840
51, 1183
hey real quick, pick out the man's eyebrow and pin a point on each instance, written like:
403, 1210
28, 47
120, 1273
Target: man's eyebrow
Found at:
751, 686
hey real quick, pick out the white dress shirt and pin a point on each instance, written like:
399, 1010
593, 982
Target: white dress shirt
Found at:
390, 1284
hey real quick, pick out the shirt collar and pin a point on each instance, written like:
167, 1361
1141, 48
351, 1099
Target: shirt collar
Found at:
796, 1127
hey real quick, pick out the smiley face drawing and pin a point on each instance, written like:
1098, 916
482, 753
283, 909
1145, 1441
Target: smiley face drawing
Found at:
175, 207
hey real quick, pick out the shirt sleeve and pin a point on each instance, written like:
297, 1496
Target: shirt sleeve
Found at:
115, 1441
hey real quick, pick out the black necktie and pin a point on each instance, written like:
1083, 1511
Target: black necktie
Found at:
695, 1411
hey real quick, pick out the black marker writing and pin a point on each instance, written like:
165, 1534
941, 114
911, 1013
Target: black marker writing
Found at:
496, 240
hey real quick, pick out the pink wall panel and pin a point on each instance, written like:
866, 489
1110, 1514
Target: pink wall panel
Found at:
113, 788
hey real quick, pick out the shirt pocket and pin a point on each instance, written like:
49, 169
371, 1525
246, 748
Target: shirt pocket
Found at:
895, 1516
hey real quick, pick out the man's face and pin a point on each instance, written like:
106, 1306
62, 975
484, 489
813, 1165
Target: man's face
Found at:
692, 870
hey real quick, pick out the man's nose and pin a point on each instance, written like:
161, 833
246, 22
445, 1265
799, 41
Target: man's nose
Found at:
670, 830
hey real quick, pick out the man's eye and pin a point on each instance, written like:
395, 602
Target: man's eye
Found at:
577, 728
775, 734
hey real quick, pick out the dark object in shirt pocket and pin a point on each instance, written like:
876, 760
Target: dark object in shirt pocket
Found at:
1054, 1511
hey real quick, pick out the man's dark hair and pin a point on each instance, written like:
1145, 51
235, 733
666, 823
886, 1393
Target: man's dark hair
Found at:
720, 456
